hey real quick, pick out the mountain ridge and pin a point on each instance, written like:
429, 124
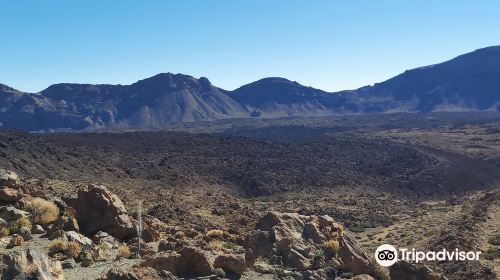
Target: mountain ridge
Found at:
469, 82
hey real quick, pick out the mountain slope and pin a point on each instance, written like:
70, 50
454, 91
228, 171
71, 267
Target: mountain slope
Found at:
469, 82
280, 97
148, 103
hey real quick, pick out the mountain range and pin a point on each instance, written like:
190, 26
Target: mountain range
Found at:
470, 82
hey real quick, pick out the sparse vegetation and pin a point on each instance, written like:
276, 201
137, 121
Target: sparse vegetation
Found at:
332, 246
123, 252
16, 225
215, 233
42, 211
58, 246
230, 246
73, 249
4, 232
215, 245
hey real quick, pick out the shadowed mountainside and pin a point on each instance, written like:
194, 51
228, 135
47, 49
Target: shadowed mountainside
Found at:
470, 82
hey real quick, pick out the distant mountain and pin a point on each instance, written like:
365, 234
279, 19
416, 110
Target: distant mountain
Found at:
469, 82
278, 97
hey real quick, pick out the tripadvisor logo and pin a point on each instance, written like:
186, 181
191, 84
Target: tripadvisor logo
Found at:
387, 255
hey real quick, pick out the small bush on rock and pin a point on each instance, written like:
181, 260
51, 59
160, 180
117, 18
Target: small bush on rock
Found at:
332, 246
58, 246
215, 245
16, 225
123, 252
230, 246
42, 211
4, 232
215, 233
73, 249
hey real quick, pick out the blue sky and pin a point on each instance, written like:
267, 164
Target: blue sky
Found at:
332, 45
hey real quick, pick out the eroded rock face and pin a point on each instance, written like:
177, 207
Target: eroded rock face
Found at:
297, 242
98, 209
30, 264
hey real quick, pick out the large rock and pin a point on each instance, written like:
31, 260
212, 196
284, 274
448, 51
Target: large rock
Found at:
230, 263
10, 213
9, 194
30, 264
98, 209
353, 258
135, 273
80, 239
292, 242
8, 178
187, 262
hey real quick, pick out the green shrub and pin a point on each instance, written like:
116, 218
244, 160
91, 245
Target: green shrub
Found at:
230, 246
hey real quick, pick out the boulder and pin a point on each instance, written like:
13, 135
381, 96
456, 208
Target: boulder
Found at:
104, 238
230, 263
25, 233
8, 194
352, 257
134, 273
10, 213
78, 238
187, 262
30, 264
151, 229
16, 240
8, 178
98, 209
290, 241
37, 229
69, 263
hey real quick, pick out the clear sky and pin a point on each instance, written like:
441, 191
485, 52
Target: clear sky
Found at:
332, 45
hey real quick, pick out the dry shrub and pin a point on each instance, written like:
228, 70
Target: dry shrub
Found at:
73, 249
16, 225
58, 246
332, 246
4, 232
215, 233
42, 211
215, 245
123, 252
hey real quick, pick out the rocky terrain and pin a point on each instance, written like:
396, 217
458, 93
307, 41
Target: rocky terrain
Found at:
92, 232
466, 83
295, 199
